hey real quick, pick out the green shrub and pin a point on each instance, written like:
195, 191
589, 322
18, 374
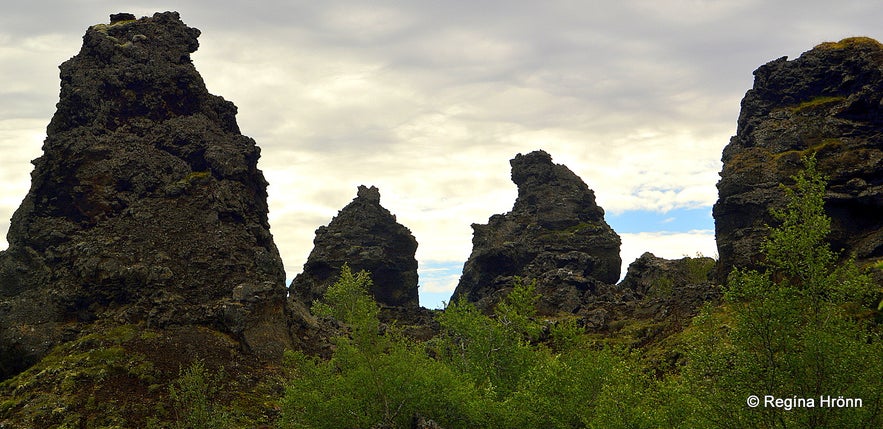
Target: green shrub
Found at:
374, 378
192, 396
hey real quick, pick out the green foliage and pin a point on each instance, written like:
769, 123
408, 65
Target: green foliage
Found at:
374, 378
566, 334
349, 301
192, 396
481, 372
495, 352
699, 268
786, 332
518, 311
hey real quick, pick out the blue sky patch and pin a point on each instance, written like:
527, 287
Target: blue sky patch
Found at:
678, 220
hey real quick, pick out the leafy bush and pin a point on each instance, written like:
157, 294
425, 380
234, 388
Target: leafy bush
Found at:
481, 372
374, 379
192, 396
494, 352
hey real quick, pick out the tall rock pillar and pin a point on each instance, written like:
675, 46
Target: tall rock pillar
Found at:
827, 102
146, 205
555, 234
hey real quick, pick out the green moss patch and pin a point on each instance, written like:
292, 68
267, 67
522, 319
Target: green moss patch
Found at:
851, 42
816, 102
124, 375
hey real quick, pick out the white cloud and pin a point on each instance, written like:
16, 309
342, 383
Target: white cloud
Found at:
20, 142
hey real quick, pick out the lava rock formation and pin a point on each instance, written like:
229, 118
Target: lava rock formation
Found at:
827, 102
555, 234
365, 236
146, 205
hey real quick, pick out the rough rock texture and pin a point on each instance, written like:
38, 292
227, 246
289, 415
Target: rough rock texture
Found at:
146, 206
650, 275
367, 237
657, 297
555, 234
829, 101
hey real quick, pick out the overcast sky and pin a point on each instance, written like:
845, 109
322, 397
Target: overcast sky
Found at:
428, 100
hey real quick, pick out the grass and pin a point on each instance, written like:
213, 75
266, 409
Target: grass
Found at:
815, 102
822, 146
851, 42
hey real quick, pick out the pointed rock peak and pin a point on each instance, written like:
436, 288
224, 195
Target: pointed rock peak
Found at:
371, 195
135, 72
146, 205
365, 236
555, 234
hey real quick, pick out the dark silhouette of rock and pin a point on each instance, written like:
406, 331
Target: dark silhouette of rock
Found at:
146, 205
555, 234
827, 102
367, 237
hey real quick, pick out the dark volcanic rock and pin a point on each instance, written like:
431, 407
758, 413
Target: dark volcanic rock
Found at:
367, 237
651, 276
146, 206
829, 102
555, 234
657, 298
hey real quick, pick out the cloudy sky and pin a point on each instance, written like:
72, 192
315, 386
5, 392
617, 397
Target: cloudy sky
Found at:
428, 100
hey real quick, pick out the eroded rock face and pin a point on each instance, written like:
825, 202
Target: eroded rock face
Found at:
367, 237
657, 298
829, 101
555, 234
146, 206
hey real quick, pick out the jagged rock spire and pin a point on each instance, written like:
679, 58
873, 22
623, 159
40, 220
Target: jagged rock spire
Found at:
555, 234
146, 205
367, 237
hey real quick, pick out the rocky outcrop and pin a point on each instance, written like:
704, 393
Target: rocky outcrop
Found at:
555, 234
658, 297
650, 275
827, 102
146, 205
367, 237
